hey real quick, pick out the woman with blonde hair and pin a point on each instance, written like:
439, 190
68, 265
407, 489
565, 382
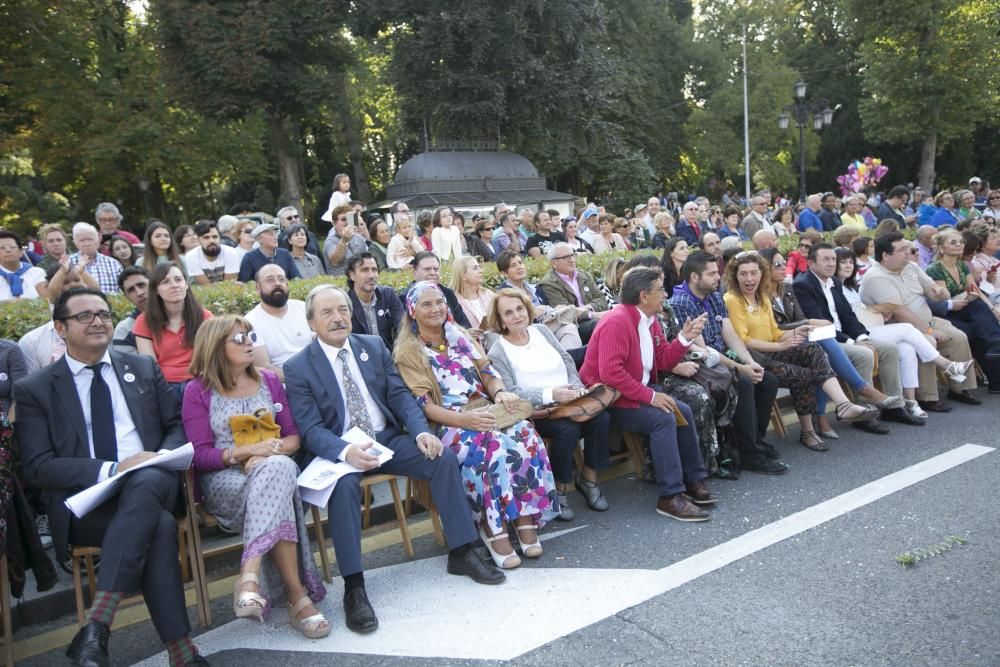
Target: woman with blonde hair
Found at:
467, 283
506, 471
244, 236
249, 484
611, 281
664, 223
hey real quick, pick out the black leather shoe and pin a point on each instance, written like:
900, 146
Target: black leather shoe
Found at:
901, 416
361, 617
765, 466
935, 406
770, 451
472, 566
964, 396
871, 426
198, 661
89, 647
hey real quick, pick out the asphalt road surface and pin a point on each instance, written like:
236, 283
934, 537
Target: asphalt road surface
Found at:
793, 570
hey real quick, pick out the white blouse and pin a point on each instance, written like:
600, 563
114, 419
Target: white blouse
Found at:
538, 364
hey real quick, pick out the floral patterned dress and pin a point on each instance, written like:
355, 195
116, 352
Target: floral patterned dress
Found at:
506, 473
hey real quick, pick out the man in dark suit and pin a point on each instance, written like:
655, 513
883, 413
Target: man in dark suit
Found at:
892, 207
427, 266
92, 415
377, 311
821, 295
343, 380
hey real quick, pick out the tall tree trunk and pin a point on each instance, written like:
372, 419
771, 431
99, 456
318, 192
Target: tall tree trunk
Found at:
352, 134
289, 169
928, 154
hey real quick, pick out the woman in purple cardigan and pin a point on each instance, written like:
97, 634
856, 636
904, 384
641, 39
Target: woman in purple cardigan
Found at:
252, 488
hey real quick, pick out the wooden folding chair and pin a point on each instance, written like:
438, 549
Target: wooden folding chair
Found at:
8, 633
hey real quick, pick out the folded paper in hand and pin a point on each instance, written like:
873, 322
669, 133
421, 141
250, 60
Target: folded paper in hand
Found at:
317, 481
822, 333
168, 459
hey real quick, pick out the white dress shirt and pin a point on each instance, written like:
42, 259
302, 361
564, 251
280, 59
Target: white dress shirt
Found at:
646, 345
126, 435
827, 286
374, 413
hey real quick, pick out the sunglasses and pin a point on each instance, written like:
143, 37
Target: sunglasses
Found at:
244, 338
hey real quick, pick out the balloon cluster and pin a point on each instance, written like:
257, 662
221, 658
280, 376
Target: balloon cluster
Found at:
862, 174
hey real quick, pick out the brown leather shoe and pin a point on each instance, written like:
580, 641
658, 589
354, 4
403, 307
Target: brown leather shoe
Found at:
699, 494
680, 508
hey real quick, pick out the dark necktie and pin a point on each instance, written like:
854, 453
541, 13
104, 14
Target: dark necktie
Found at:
102, 418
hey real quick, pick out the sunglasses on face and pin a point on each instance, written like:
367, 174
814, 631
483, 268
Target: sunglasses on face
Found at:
244, 338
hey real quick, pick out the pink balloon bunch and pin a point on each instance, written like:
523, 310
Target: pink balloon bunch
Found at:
862, 174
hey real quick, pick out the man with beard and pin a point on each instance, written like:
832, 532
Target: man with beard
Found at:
211, 262
134, 284
375, 310
280, 322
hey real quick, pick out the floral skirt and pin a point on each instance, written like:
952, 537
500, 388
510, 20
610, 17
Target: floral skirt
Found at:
506, 474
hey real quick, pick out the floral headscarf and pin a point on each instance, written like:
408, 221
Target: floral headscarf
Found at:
453, 334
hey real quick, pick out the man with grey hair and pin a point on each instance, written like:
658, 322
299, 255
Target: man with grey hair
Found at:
109, 221
288, 216
103, 268
809, 218
756, 219
925, 245
764, 238
626, 352
343, 380
280, 322
227, 226
563, 285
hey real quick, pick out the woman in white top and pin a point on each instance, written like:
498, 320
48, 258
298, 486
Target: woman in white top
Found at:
992, 209
534, 366
403, 245
467, 282
914, 347
446, 238
341, 195
608, 239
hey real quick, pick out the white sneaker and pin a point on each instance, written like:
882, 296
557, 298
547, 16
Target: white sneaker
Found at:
914, 410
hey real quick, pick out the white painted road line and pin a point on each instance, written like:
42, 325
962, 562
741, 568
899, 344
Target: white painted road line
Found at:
423, 612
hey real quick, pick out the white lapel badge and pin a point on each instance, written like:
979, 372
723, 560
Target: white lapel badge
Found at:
128, 377
364, 355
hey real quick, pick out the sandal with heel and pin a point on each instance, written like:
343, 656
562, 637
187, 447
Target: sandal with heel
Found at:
313, 627
864, 415
248, 604
532, 550
812, 441
503, 561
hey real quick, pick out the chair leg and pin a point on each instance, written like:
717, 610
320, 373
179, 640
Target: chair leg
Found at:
8, 633
91, 575
186, 574
404, 530
409, 497
366, 515
77, 587
422, 492
324, 558
196, 565
776, 421
634, 444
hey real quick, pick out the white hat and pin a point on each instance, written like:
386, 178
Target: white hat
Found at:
260, 229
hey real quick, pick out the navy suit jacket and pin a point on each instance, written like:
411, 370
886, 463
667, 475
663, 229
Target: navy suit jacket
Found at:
687, 232
388, 315
318, 404
814, 304
52, 432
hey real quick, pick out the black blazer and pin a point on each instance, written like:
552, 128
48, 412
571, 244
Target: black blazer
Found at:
814, 304
52, 433
452, 301
318, 404
388, 314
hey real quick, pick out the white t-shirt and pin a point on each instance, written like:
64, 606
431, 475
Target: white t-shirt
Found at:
227, 261
29, 282
538, 364
283, 336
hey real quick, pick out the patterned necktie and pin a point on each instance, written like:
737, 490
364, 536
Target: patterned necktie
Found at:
355, 401
102, 418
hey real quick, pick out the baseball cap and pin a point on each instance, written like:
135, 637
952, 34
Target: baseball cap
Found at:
975, 179
589, 212
260, 229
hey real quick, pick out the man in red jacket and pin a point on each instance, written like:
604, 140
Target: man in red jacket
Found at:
627, 350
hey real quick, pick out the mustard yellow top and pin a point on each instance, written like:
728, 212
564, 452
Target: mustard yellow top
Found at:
757, 325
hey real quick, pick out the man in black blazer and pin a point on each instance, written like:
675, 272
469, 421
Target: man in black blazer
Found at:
92, 415
815, 289
342, 380
376, 310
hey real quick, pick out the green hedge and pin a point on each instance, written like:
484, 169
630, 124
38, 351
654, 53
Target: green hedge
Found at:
230, 297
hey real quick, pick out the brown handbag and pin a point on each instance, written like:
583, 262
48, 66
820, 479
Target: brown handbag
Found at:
597, 399
504, 418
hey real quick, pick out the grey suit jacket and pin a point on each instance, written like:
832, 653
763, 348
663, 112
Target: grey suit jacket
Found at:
318, 404
508, 372
52, 434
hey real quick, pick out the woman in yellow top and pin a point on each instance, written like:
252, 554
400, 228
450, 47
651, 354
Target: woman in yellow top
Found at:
851, 217
801, 366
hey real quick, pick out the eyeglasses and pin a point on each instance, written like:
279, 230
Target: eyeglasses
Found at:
806, 245
992, 198
779, 264
87, 316
291, 217
556, 259
244, 338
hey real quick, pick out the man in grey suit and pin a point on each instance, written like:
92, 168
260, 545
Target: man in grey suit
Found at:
90, 416
343, 380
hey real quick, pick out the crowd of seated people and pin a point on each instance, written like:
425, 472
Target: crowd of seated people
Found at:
477, 386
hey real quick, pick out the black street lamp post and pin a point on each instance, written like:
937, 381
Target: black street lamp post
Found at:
818, 111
